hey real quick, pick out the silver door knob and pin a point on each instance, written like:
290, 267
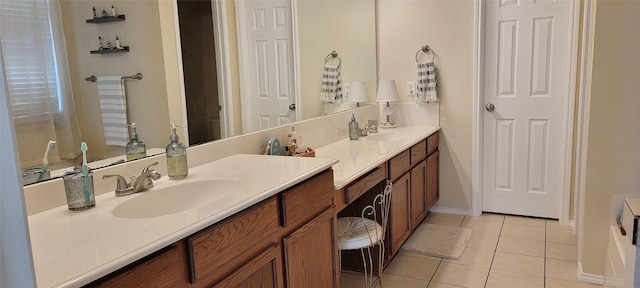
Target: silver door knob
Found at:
490, 107
292, 106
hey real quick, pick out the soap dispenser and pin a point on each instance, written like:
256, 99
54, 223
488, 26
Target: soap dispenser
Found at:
135, 148
177, 167
354, 129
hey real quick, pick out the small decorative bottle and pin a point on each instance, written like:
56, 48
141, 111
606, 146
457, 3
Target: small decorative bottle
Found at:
136, 149
177, 166
354, 129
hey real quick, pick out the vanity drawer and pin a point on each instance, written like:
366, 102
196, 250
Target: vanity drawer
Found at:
432, 142
307, 200
365, 183
219, 250
399, 165
418, 152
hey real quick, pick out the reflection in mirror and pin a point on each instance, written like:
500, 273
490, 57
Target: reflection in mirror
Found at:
65, 108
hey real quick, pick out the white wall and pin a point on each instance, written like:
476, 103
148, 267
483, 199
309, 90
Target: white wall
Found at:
345, 26
16, 267
147, 98
447, 27
613, 158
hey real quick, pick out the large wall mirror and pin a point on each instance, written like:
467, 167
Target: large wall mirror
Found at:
217, 67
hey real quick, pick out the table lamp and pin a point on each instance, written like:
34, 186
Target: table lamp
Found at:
357, 93
387, 92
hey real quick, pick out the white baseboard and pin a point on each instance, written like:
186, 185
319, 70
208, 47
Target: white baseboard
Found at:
455, 211
590, 278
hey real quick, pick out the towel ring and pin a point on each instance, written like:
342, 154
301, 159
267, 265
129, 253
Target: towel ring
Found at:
425, 49
333, 54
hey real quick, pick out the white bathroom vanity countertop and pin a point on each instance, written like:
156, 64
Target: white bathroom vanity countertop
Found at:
357, 157
71, 249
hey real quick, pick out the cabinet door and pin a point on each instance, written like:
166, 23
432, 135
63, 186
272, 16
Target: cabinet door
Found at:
418, 194
262, 271
433, 166
310, 253
400, 220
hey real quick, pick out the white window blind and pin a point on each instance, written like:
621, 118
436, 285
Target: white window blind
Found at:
28, 48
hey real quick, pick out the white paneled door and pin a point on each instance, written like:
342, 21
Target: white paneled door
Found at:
268, 63
525, 96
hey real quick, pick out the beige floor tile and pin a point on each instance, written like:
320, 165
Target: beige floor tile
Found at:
461, 275
393, 281
563, 270
519, 220
416, 255
444, 219
439, 285
562, 251
474, 257
555, 283
351, 280
523, 232
516, 263
521, 246
412, 267
484, 241
488, 217
502, 279
555, 224
482, 227
562, 236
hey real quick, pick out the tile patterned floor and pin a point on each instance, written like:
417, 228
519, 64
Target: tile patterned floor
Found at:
505, 251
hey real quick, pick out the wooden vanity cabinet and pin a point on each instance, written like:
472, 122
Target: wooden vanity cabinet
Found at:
288, 240
433, 168
399, 218
230, 249
164, 268
415, 189
309, 233
419, 203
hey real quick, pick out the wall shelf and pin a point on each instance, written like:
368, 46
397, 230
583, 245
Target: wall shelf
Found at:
106, 19
110, 51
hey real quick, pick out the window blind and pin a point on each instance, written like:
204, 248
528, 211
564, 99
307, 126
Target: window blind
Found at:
25, 30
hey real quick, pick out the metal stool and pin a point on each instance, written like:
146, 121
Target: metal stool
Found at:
367, 231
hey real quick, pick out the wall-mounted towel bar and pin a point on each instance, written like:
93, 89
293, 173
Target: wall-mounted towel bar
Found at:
138, 76
425, 49
333, 54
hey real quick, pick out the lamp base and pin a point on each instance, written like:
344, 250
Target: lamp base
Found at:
386, 125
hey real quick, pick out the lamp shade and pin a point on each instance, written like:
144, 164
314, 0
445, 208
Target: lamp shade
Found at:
357, 92
387, 91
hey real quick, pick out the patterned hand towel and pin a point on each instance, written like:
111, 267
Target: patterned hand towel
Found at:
427, 84
113, 106
331, 89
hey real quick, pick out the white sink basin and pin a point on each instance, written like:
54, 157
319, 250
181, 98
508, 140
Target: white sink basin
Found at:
177, 198
385, 137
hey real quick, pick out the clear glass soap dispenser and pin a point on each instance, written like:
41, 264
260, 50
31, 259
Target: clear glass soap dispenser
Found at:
354, 129
135, 148
177, 166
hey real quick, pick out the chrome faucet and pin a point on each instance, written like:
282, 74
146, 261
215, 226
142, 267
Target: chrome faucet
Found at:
138, 184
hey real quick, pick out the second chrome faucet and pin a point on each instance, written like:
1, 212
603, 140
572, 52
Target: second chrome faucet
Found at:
138, 184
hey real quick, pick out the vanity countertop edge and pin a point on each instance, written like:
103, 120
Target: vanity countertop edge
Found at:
358, 157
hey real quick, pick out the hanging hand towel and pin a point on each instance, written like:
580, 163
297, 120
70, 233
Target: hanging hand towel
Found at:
331, 89
113, 106
427, 85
